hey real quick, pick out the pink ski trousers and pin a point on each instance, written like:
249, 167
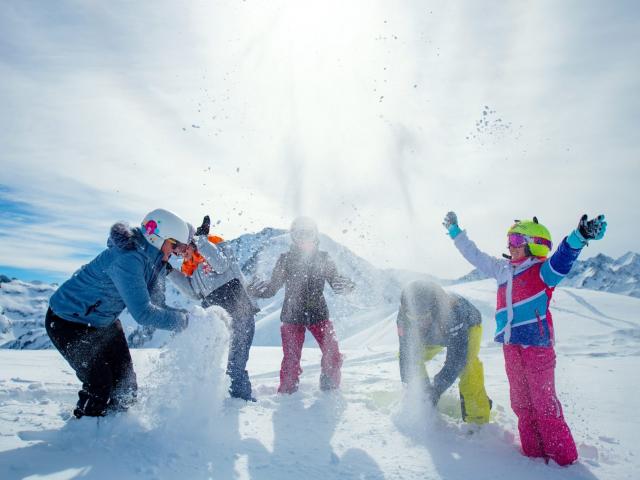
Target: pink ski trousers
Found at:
543, 430
292, 341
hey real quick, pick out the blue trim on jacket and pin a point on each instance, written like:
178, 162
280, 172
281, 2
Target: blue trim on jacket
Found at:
560, 263
529, 334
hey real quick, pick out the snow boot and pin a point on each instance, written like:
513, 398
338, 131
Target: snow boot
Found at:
241, 387
89, 405
327, 383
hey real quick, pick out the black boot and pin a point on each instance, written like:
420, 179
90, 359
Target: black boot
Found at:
90, 405
241, 387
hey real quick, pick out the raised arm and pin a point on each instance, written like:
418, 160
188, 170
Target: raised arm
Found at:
487, 264
560, 263
214, 255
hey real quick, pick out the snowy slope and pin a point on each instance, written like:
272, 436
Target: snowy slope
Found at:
183, 429
22, 309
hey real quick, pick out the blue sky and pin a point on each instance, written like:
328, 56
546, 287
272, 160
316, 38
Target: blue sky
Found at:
374, 117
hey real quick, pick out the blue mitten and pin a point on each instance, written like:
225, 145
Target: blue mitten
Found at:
593, 229
451, 224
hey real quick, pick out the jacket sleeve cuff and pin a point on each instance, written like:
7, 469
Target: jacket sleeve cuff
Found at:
454, 231
576, 240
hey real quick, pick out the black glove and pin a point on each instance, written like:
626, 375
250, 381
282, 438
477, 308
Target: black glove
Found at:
592, 229
204, 228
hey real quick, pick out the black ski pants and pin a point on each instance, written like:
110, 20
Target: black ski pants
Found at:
101, 360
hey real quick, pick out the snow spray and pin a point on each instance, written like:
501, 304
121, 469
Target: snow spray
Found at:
415, 413
188, 383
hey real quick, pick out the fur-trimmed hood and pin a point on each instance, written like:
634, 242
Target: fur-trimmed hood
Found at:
130, 274
124, 237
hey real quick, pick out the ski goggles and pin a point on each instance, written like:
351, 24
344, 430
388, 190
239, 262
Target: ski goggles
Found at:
176, 246
303, 235
519, 240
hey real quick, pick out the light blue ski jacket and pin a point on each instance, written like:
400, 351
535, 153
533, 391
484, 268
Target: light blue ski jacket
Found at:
129, 273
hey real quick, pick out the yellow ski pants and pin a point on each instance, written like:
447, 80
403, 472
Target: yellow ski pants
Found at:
473, 396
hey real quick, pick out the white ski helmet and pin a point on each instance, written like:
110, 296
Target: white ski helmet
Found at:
160, 225
192, 232
304, 228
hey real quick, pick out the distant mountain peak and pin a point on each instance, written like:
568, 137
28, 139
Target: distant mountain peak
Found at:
629, 258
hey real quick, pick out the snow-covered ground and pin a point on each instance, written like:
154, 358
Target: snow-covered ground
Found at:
184, 428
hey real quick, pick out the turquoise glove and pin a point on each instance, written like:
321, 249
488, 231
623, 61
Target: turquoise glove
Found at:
593, 229
451, 224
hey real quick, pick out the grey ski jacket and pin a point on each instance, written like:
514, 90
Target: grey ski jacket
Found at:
201, 283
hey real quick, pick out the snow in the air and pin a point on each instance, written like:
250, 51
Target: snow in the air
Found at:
373, 117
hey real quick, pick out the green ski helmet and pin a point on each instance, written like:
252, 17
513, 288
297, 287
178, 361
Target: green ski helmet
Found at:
533, 234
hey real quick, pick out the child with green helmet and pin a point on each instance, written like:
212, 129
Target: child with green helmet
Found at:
526, 279
535, 236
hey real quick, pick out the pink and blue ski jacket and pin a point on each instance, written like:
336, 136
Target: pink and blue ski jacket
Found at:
524, 290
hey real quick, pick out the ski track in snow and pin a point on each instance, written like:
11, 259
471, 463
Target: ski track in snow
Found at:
184, 427
595, 311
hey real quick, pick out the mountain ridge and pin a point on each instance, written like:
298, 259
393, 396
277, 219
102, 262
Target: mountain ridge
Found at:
23, 304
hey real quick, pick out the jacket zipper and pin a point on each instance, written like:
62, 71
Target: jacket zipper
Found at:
539, 323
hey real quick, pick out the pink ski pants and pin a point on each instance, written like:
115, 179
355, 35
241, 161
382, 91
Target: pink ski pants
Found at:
292, 340
543, 430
